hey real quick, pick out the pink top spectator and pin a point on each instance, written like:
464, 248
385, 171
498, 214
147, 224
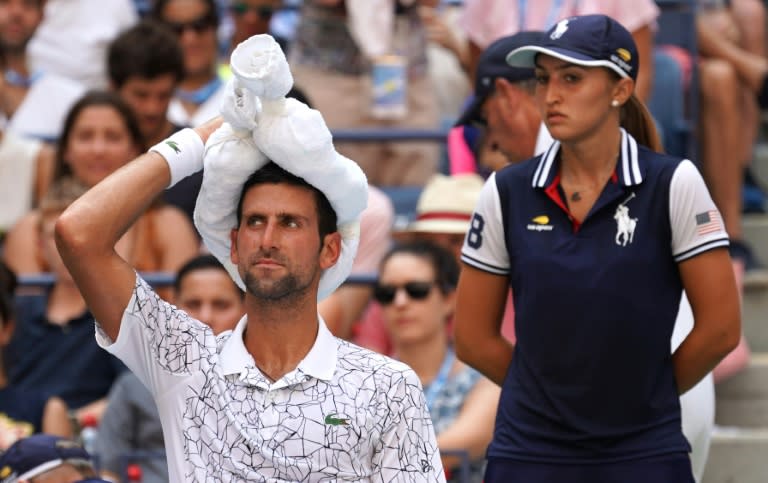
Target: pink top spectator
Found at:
487, 20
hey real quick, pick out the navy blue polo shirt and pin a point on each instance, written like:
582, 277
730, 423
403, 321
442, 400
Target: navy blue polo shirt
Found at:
59, 360
591, 379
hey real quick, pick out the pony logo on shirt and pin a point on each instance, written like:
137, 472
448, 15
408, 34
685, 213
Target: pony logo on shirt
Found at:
560, 29
625, 225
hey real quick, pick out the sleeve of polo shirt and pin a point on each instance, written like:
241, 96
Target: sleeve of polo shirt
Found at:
697, 225
484, 245
408, 448
156, 340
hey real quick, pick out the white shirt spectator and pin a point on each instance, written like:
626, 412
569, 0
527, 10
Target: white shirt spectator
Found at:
344, 413
72, 40
45, 106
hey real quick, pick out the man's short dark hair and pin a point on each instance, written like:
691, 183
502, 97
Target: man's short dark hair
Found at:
147, 50
271, 173
201, 262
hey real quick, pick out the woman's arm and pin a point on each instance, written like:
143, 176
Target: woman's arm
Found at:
480, 301
710, 285
44, 167
21, 247
472, 430
56, 419
176, 237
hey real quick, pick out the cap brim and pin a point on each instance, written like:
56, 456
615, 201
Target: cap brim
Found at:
526, 57
472, 113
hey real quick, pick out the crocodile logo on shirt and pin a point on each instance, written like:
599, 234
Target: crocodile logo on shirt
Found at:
334, 420
173, 146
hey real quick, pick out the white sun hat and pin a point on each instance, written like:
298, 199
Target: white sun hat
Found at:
446, 204
262, 125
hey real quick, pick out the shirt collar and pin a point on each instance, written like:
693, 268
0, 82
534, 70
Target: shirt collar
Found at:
629, 169
320, 361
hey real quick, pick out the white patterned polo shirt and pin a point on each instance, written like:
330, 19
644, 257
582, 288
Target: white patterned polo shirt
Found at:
344, 414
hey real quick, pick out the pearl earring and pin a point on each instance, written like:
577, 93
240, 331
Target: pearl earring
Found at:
615, 103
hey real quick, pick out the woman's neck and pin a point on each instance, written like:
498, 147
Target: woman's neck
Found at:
65, 303
425, 358
592, 158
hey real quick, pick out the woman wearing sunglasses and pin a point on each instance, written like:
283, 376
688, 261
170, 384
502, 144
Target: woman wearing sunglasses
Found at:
416, 289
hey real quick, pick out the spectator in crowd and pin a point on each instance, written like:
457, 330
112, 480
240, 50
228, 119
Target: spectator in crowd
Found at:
337, 46
52, 350
249, 18
712, 304
23, 412
43, 458
146, 65
131, 423
729, 116
73, 38
33, 102
443, 212
195, 23
447, 57
100, 135
416, 289
504, 111
26, 169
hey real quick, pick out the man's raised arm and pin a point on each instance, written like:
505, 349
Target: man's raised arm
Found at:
86, 233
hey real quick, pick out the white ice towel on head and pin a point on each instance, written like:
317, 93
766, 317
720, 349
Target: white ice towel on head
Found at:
262, 125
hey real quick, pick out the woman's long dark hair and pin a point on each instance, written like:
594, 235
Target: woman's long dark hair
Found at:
91, 99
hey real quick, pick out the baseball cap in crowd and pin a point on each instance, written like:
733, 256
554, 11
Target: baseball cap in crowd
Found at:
39, 453
492, 65
588, 40
446, 204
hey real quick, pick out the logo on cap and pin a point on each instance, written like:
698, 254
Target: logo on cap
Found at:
560, 29
624, 54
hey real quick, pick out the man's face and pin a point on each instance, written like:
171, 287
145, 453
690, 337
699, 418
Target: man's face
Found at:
277, 247
149, 100
513, 121
210, 296
18, 21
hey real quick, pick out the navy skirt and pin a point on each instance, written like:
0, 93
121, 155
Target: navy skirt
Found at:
674, 468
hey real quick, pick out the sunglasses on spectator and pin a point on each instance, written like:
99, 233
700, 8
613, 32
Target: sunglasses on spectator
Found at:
263, 11
385, 294
198, 25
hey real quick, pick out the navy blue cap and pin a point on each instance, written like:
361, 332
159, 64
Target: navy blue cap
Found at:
588, 40
36, 454
492, 64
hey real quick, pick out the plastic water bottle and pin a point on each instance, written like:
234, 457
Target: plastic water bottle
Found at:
89, 434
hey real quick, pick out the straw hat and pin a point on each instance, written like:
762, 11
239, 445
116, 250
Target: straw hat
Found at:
446, 204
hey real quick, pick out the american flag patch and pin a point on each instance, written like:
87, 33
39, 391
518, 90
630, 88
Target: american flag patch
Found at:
708, 222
